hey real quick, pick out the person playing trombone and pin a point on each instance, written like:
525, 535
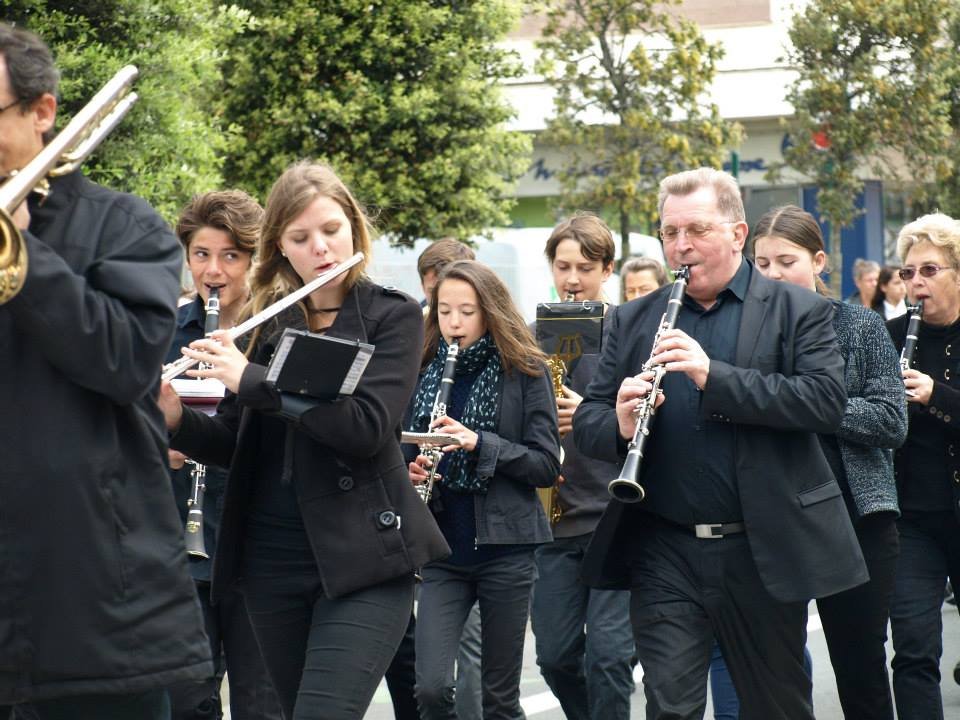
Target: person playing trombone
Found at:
98, 613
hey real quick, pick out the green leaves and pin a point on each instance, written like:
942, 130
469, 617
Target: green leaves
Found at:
871, 82
650, 91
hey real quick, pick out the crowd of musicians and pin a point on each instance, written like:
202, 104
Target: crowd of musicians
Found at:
794, 448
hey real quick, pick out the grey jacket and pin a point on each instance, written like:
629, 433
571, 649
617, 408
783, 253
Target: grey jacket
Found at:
875, 419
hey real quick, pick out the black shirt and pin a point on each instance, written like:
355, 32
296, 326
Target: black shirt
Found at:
694, 459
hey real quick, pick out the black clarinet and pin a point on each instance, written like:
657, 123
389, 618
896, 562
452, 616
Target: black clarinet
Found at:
440, 401
626, 488
910, 344
193, 531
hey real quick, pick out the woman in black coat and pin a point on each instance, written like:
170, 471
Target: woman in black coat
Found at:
321, 529
503, 414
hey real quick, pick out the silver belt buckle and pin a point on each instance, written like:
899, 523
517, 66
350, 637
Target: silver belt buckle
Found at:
707, 531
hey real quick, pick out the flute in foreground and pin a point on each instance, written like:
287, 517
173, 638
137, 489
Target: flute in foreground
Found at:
626, 488
185, 363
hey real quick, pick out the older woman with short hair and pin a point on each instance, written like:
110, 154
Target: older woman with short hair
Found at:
927, 467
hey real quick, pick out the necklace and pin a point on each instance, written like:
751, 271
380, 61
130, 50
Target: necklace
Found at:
323, 310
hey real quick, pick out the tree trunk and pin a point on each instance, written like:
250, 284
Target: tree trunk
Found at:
624, 238
836, 261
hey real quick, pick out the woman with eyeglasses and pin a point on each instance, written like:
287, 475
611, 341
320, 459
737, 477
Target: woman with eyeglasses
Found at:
788, 246
928, 465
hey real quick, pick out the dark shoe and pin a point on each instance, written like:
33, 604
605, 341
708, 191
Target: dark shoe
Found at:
956, 673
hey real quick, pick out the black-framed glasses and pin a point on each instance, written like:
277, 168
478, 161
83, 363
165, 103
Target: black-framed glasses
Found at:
694, 231
927, 270
7, 107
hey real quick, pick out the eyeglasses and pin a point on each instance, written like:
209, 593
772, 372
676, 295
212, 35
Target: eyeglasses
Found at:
696, 231
928, 271
7, 107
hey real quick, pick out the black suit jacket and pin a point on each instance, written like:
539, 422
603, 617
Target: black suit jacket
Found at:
785, 386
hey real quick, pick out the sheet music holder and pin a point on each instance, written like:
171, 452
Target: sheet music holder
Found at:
568, 330
320, 366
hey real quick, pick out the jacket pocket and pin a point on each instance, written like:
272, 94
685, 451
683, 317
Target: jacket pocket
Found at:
818, 494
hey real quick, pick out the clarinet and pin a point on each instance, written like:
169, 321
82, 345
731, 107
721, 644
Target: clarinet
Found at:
433, 452
193, 531
626, 488
910, 344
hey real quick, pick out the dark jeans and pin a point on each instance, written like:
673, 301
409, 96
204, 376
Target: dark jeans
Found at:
855, 628
502, 587
584, 641
929, 555
234, 649
149, 705
401, 675
326, 656
688, 591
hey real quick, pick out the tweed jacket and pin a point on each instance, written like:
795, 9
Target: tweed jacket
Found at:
875, 419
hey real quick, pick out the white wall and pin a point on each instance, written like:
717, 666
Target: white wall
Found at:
516, 255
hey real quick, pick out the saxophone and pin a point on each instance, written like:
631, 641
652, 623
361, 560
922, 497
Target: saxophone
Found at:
433, 451
550, 497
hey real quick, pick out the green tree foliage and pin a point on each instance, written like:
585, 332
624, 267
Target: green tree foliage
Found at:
944, 194
868, 89
170, 145
399, 96
631, 80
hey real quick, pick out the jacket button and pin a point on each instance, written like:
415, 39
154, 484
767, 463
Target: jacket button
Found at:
387, 518
946, 418
956, 476
939, 413
933, 410
345, 483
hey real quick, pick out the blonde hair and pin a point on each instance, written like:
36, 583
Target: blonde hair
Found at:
937, 229
298, 186
729, 200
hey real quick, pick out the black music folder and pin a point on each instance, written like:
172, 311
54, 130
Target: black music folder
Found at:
320, 366
567, 330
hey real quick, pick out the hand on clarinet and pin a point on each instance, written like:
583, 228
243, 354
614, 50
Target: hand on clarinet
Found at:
221, 357
678, 352
176, 459
169, 403
919, 386
631, 393
448, 426
21, 216
419, 470
566, 407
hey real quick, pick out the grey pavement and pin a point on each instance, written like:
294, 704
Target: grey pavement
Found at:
539, 703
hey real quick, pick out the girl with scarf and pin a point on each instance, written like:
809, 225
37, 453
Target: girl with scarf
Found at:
503, 413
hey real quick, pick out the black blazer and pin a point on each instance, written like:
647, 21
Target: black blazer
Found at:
785, 386
365, 522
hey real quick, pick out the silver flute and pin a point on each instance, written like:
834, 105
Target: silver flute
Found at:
180, 366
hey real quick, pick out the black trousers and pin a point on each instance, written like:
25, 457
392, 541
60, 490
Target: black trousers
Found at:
686, 591
326, 656
447, 595
855, 626
929, 555
234, 650
149, 705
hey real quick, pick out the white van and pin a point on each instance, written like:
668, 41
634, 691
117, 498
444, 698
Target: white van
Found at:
515, 254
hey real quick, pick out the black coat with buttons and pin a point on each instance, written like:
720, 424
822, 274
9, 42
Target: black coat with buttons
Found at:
364, 520
937, 355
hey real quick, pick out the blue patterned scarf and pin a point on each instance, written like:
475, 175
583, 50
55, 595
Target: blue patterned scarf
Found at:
480, 412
